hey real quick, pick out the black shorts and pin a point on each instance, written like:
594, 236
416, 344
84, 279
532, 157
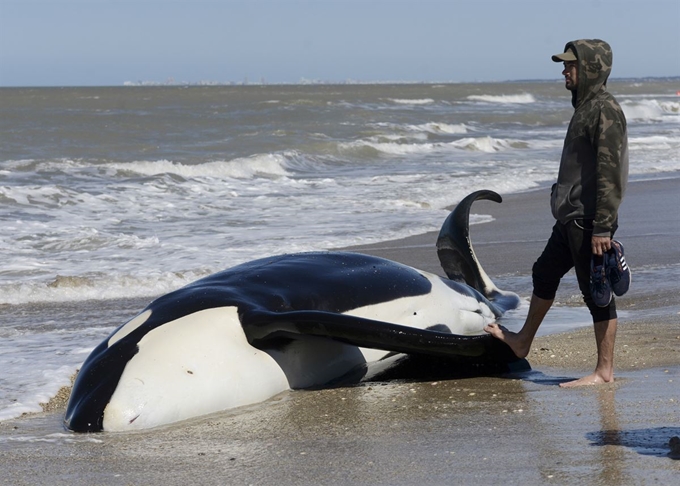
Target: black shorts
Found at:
569, 247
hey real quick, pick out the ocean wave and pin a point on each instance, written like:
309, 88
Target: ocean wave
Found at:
26, 196
651, 110
402, 101
488, 144
647, 150
240, 168
661, 142
38, 166
65, 288
388, 148
481, 144
440, 128
435, 128
257, 165
504, 99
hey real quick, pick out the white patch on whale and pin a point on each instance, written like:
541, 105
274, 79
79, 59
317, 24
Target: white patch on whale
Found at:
208, 361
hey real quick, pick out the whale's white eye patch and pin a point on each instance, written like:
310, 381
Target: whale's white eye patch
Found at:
130, 326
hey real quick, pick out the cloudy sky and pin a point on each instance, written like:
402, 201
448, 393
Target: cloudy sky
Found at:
109, 42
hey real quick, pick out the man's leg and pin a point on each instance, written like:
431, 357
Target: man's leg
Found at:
604, 318
520, 342
605, 335
551, 266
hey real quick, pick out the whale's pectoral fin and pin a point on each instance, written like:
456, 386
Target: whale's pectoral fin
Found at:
458, 259
263, 326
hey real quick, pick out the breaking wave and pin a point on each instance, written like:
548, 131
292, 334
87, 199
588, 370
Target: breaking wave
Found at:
481, 144
506, 99
651, 110
423, 101
241, 168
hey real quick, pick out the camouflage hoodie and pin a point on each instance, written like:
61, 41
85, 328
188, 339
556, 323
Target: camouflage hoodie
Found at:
594, 165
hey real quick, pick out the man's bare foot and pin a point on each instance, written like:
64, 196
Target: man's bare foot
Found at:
512, 339
593, 379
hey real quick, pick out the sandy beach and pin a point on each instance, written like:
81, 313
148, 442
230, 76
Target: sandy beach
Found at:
519, 428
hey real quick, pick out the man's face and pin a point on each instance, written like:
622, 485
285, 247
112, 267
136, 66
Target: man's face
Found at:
570, 74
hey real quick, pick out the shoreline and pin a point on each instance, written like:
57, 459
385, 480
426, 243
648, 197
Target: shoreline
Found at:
521, 427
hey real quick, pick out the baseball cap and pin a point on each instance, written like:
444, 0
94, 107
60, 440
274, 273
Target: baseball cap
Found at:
566, 56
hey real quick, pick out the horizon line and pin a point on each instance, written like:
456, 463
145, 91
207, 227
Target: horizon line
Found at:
305, 82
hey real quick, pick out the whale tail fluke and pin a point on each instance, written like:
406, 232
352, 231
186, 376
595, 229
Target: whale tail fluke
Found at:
458, 259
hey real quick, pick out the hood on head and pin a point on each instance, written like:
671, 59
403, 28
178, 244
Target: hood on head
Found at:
595, 65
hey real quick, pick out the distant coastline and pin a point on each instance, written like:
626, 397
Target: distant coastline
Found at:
359, 82
348, 82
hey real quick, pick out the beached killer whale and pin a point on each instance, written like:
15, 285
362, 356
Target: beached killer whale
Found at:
294, 321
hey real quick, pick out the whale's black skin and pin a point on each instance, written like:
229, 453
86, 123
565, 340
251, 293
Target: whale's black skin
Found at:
287, 297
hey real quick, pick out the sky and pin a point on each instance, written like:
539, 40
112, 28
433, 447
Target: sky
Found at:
111, 42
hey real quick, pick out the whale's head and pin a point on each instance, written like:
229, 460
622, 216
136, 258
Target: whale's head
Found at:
154, 371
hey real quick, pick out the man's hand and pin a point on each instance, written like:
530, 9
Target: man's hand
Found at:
601, 245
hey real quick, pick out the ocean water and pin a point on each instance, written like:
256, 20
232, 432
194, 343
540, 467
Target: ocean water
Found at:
112, 196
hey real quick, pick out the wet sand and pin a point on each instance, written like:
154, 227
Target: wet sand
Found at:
521, 428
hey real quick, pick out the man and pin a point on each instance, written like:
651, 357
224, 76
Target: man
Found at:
585, 200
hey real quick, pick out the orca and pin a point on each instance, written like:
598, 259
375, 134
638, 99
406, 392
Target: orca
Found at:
293, 321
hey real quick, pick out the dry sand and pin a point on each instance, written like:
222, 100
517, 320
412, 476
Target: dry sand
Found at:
518, 429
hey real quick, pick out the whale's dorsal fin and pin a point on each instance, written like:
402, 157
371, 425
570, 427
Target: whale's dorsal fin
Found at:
457, 257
